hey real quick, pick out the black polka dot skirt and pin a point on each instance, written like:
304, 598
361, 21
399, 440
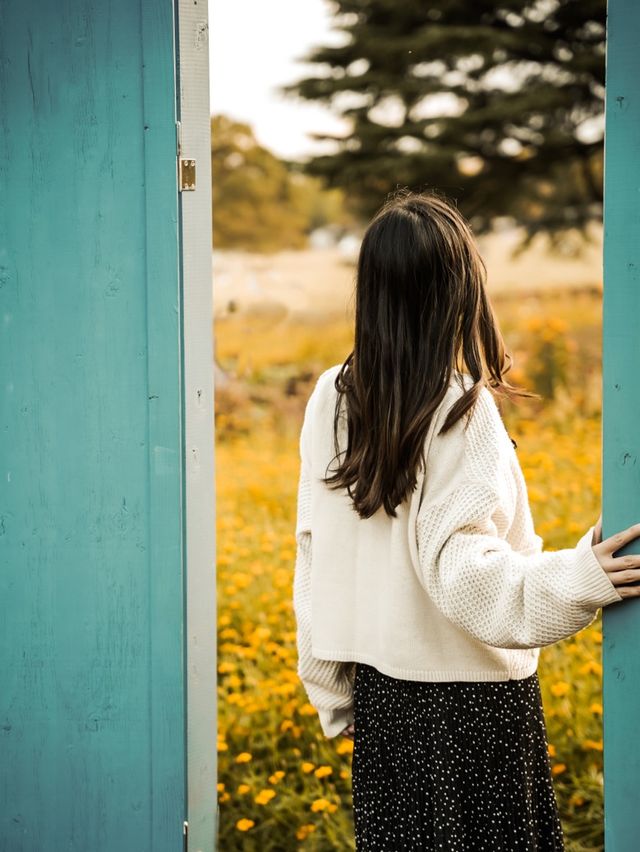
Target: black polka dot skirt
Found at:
455, 766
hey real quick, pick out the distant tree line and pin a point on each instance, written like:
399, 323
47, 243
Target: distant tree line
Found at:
261, 203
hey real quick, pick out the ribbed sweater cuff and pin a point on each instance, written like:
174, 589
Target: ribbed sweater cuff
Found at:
596, 589
333, 722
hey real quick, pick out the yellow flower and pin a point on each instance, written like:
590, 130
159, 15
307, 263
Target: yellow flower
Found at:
224, 797
243, 757
244, 824
264, 797
285, 725
576, 799
277, 776
259, 634
551, 749
596, 745
560, 688
243, 788
306, 766
323, 771
305, 830
558, 768
222, 746
224, 668
596, 708
344, 773
591, 667
345, 746
306, 710
323, 805
220, 786
229, 633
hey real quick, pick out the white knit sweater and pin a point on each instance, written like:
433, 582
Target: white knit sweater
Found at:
456, 587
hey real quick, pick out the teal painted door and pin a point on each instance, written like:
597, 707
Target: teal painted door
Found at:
621, 416
92, 715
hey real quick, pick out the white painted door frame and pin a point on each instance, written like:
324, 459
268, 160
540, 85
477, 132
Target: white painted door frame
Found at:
199, 535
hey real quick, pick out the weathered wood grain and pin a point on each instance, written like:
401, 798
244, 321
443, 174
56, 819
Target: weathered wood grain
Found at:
621, 417
91, 582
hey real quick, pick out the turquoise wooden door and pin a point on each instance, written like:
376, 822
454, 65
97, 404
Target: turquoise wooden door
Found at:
621, 437
92, 697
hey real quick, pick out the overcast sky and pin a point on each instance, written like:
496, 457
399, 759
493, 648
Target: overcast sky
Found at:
254, 45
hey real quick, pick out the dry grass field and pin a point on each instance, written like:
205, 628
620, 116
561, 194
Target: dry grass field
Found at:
321, 280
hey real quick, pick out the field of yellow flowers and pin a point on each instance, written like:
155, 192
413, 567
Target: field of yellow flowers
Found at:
283, 785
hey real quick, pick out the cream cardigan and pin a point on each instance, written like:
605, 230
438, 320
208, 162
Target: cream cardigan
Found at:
456, 587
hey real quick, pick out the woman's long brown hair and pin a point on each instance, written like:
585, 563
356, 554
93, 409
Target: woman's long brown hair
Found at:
421, 311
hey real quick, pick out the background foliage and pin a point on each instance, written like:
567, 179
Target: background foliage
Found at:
499, 104
259, 202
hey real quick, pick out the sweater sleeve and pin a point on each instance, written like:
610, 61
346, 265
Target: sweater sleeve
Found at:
479, 557
328, 683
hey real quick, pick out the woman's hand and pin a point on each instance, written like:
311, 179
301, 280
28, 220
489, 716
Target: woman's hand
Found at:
349, 731
621, 570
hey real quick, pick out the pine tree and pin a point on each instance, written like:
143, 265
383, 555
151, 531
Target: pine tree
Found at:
497, 104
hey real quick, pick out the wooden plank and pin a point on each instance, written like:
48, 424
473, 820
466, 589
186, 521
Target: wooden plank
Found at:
197, 306
621, 415
165, 426
91, 598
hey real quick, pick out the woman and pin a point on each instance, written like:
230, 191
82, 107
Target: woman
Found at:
422, 593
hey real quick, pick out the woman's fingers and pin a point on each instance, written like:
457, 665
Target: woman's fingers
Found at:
618, 540
622, 576
629, 591
621, 570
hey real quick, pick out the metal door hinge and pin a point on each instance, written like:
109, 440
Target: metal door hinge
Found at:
185, 836
187, 179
